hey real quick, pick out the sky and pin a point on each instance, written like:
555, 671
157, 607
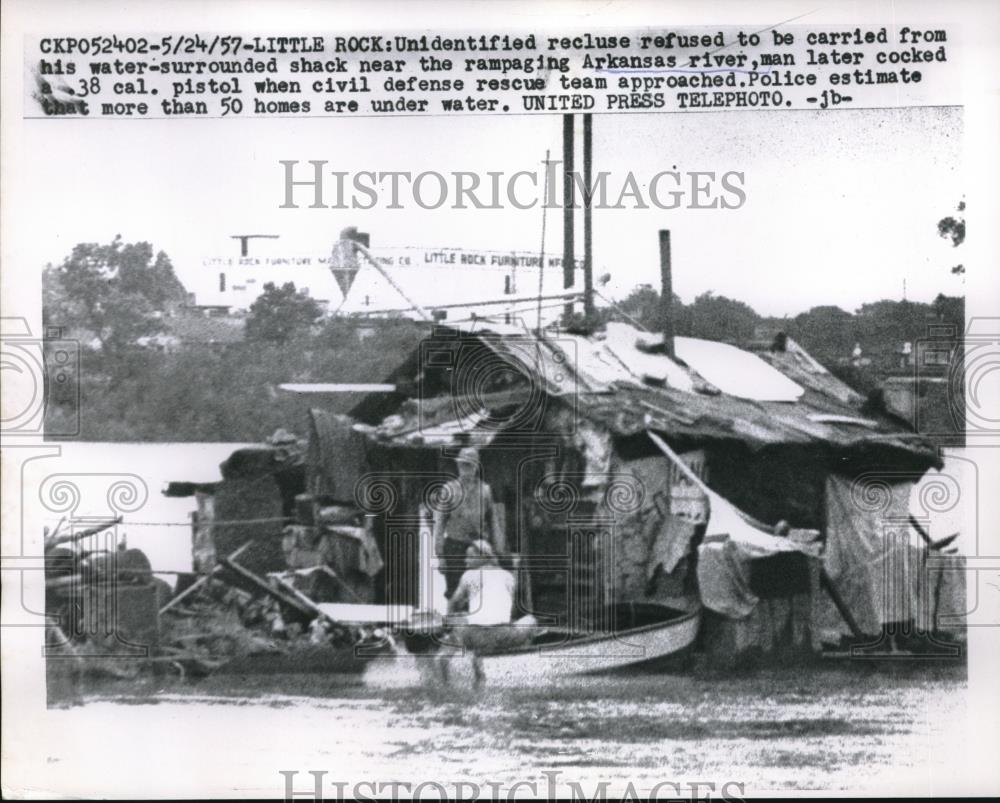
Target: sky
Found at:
840, 207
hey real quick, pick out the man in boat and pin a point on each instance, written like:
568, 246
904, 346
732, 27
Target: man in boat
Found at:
481, 606
469, 519
485, 592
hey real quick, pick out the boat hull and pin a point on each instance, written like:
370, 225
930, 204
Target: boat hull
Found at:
645, 637
645, 647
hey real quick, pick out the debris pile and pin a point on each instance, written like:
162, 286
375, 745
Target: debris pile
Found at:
111, 617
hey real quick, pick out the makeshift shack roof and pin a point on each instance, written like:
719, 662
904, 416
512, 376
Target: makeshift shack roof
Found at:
278, 458
797, 364
616, 378
736, 372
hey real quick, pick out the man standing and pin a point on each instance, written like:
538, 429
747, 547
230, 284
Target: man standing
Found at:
470, 519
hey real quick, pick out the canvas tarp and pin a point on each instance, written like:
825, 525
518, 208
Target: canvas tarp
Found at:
878, 561
941, 503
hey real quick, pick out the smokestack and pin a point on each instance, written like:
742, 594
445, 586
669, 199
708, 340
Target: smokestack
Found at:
666, 294
569, 258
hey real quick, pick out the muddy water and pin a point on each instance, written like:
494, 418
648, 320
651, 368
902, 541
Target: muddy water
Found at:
847, 727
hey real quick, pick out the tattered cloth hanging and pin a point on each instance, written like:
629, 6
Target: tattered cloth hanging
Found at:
732, 539
731, 542
872, 554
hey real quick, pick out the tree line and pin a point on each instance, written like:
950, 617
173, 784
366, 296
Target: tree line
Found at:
115, 296
829, 333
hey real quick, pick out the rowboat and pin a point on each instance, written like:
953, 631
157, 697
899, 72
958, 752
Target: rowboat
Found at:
642, 636
637, 636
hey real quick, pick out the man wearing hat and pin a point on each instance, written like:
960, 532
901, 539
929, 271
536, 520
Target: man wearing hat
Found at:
464, 517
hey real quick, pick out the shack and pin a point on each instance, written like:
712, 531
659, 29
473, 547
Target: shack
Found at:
627, 468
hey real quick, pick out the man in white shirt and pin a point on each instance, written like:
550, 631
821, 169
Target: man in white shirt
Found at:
485, 592
480, 608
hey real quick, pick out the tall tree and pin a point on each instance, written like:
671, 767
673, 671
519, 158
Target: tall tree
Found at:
281, 313
953, 227
642, 306
950, 309
719, 318
112, 291
827, 332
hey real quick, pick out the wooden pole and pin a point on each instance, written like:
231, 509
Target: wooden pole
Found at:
541, 250
683, 467
569, 259
827, 582
666, 294
588, 257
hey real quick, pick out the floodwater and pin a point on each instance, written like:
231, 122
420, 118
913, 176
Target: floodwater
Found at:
833, 725
845, 726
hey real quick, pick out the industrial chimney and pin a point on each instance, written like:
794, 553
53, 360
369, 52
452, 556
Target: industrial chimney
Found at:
666, 294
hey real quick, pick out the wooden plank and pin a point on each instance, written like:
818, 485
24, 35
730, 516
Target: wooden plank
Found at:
336, 387
202, 580
267, 588
359, 613
681, 465
302, 598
